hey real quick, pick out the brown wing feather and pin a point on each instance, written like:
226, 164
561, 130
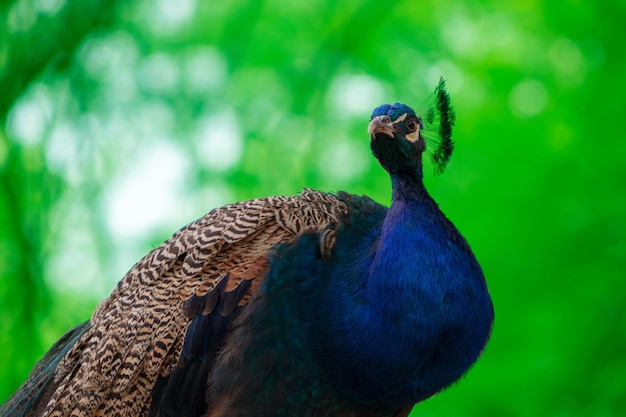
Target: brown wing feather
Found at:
138, 332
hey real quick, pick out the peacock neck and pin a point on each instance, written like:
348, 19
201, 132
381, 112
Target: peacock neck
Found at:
408, 187
409, 237
409, 201
404, 294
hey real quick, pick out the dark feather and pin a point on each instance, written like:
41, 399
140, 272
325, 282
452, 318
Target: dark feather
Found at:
182, 393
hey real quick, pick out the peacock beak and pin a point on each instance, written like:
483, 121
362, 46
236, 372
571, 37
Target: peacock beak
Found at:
381, 124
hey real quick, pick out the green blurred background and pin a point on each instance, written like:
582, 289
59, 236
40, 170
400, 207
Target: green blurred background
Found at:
123, 120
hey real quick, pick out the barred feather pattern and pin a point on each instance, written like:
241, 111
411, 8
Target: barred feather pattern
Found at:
138, 332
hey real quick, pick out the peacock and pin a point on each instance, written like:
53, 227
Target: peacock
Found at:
316, 304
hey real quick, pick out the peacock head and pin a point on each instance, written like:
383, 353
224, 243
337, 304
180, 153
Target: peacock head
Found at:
399, 136
395, 138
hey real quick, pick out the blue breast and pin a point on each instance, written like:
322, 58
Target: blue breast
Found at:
398, 312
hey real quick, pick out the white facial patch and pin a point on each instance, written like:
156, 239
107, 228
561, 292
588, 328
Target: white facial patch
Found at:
411, 137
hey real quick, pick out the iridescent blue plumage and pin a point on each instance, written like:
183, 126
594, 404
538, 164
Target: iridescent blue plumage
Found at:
312, 305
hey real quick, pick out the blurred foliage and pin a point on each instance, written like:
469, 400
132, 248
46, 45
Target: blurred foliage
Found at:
123, 120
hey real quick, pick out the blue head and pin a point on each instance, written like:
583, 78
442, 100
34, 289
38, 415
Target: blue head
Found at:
399, 136
396, 140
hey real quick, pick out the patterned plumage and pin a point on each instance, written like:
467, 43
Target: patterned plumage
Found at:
311, 305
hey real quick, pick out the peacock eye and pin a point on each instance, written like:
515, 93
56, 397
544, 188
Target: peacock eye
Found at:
411, 124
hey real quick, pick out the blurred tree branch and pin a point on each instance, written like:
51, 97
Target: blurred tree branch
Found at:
56, 37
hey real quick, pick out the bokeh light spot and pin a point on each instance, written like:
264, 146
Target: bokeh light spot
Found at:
30, 117
218, 141
356, 94
528, 98
567, 60
343, 161
158, 73
144, 196
205, 69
